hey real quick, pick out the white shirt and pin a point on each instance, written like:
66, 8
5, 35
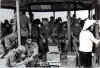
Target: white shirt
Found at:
86, 39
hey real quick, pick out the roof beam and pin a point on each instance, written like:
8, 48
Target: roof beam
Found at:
55, 6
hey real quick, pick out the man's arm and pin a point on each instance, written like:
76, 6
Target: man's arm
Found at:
96, 41
33, 55
35, 50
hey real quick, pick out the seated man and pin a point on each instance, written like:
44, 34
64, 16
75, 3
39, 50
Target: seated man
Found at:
16, 56
32, 53
25, 55
10, 42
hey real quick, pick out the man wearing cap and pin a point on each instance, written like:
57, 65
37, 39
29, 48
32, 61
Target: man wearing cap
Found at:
32, 53
86, 40
26, 56
16, 57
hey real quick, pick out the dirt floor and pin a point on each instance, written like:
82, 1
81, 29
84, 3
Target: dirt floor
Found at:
68, 61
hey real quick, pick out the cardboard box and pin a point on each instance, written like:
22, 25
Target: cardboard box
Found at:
53, 49
53, 58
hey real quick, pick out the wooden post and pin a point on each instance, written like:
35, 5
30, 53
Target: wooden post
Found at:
97, 13
69, 28
33, 16
75, 13
0, 3
54, 14
18, 22
89, 12
75, 8
0, 22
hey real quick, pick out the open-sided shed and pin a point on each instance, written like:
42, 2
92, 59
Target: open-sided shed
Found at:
48, 5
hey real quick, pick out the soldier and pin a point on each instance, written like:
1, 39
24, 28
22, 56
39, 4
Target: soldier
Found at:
24, 55
16, 57
32, 53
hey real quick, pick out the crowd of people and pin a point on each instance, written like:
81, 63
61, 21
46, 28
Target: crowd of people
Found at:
36, 36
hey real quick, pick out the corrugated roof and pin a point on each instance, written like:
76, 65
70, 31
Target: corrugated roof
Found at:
49, 5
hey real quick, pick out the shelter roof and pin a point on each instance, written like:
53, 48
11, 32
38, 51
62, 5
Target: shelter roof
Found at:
49, 5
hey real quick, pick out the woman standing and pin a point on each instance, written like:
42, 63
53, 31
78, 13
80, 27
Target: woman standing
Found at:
86, 40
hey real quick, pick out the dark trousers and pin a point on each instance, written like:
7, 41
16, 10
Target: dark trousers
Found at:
23, 40
85, 59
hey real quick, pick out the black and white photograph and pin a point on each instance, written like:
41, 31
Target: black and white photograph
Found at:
49, 33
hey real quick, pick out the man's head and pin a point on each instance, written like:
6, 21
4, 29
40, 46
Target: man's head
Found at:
45, 21
21, 49
94, 17
29, 41
52, 18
